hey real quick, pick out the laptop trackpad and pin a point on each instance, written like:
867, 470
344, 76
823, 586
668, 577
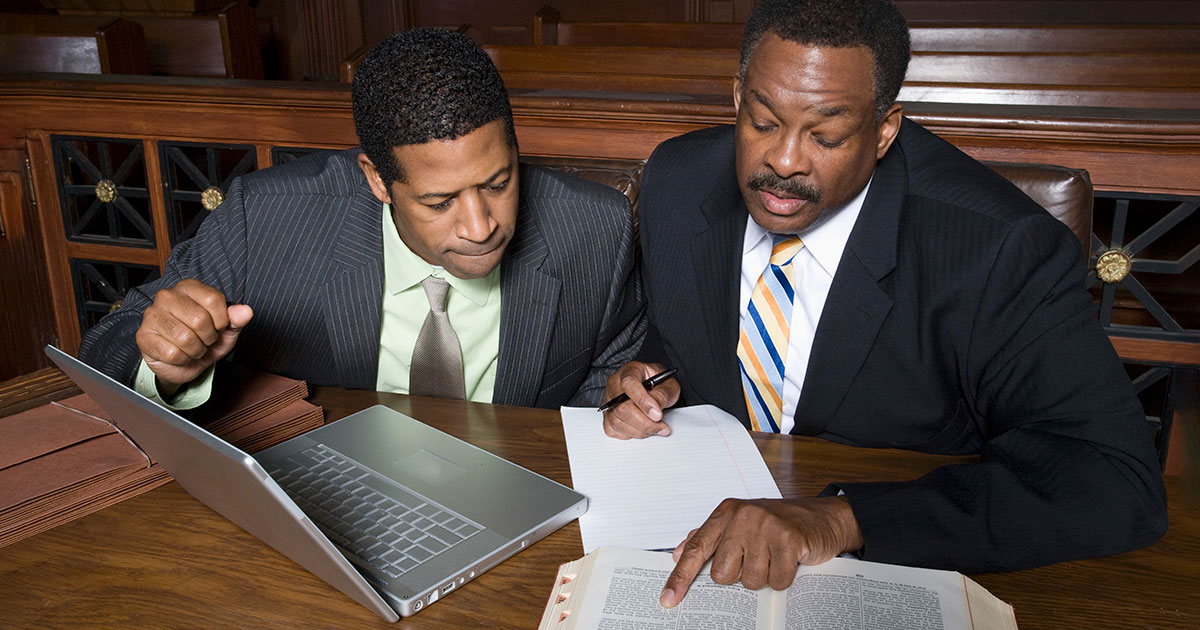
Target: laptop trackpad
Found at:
431, 468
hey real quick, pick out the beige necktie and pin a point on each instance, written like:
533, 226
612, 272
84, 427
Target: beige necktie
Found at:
437, 365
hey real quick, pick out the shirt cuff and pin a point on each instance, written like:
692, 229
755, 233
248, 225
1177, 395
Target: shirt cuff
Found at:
188, 396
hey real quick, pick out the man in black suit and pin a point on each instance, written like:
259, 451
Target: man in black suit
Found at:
933, 307
318, 269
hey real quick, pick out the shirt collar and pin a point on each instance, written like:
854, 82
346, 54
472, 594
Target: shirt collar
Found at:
402, 269
825, 240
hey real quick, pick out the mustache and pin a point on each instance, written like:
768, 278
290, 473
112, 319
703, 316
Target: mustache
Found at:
791, 187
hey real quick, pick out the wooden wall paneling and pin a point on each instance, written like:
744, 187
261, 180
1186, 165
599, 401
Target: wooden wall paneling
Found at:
511, 22
1052, 11
1163, 70
240, 41
1023, 95
186, 47
162, 236
58, 273
114, 253
662, 34
1155, 351
1154, 152
122, 46
176, 8
384, 17
91, 45
12, 205
313, 37
264, 155
1151, 151
1056, 38
1183, 453
323, 24
25, 315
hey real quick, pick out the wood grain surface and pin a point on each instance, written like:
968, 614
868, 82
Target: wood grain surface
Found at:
164, 560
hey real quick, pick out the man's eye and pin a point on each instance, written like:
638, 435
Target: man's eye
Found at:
828, 144
498, 187
762, 126
442, 205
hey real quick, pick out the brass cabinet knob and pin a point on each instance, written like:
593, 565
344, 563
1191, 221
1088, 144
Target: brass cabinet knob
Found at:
211, 198
1113, 265
106, 191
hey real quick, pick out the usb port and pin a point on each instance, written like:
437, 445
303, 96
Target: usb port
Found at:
447, 588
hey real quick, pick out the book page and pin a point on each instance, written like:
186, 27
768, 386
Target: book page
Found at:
648, 494
845, 594
623, 589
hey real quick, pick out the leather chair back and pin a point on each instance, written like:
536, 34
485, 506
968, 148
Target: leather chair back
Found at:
1064, 192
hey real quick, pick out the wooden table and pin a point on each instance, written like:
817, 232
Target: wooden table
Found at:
164, 560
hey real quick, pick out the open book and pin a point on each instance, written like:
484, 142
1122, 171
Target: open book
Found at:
616, 589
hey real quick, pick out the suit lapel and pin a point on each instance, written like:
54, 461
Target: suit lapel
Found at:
351, 296
528, 307
717, 260
856, 306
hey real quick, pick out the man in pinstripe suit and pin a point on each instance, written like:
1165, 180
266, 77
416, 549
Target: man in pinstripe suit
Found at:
314, 269
932, 307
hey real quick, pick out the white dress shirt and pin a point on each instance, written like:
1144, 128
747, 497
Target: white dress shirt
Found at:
815, 266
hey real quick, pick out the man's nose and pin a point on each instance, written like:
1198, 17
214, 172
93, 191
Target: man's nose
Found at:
475, 222
788, 156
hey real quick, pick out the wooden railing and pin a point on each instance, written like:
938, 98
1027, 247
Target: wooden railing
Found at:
168, 149
169, 134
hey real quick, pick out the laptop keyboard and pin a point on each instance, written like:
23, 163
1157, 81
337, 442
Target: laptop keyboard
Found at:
393, 532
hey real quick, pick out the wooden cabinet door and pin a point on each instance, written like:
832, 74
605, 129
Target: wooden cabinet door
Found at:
26, 319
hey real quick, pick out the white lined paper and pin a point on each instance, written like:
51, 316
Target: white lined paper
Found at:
649, 493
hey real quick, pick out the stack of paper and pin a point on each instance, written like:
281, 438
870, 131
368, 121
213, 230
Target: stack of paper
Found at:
67, 459
288, 422
241, 396
254, 410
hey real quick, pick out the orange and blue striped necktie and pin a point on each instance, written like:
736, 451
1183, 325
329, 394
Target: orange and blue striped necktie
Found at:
763, 342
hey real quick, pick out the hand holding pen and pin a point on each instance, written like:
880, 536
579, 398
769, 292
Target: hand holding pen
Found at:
649, 384
650, 389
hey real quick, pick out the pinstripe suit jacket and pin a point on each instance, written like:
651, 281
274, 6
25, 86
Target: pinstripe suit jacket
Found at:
301, 244
956, 323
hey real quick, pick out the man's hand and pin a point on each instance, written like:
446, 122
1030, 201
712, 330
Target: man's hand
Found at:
641, 415
762, 542
188, 328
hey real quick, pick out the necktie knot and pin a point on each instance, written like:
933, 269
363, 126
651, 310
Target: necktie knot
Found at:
436, 291
785, 248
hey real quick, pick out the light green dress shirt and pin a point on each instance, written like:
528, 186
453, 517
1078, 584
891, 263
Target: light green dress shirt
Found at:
473, 307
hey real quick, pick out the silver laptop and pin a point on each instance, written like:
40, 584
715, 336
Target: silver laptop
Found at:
386, 509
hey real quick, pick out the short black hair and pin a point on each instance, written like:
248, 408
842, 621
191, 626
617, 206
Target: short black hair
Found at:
875, 24
421, 85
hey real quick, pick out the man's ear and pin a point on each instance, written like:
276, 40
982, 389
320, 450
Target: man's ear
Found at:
888, 128
737, 96
373, 180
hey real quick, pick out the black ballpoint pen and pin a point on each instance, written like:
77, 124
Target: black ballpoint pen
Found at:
650, 383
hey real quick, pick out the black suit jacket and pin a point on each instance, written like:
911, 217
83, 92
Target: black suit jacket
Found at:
302, 244
956, 323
